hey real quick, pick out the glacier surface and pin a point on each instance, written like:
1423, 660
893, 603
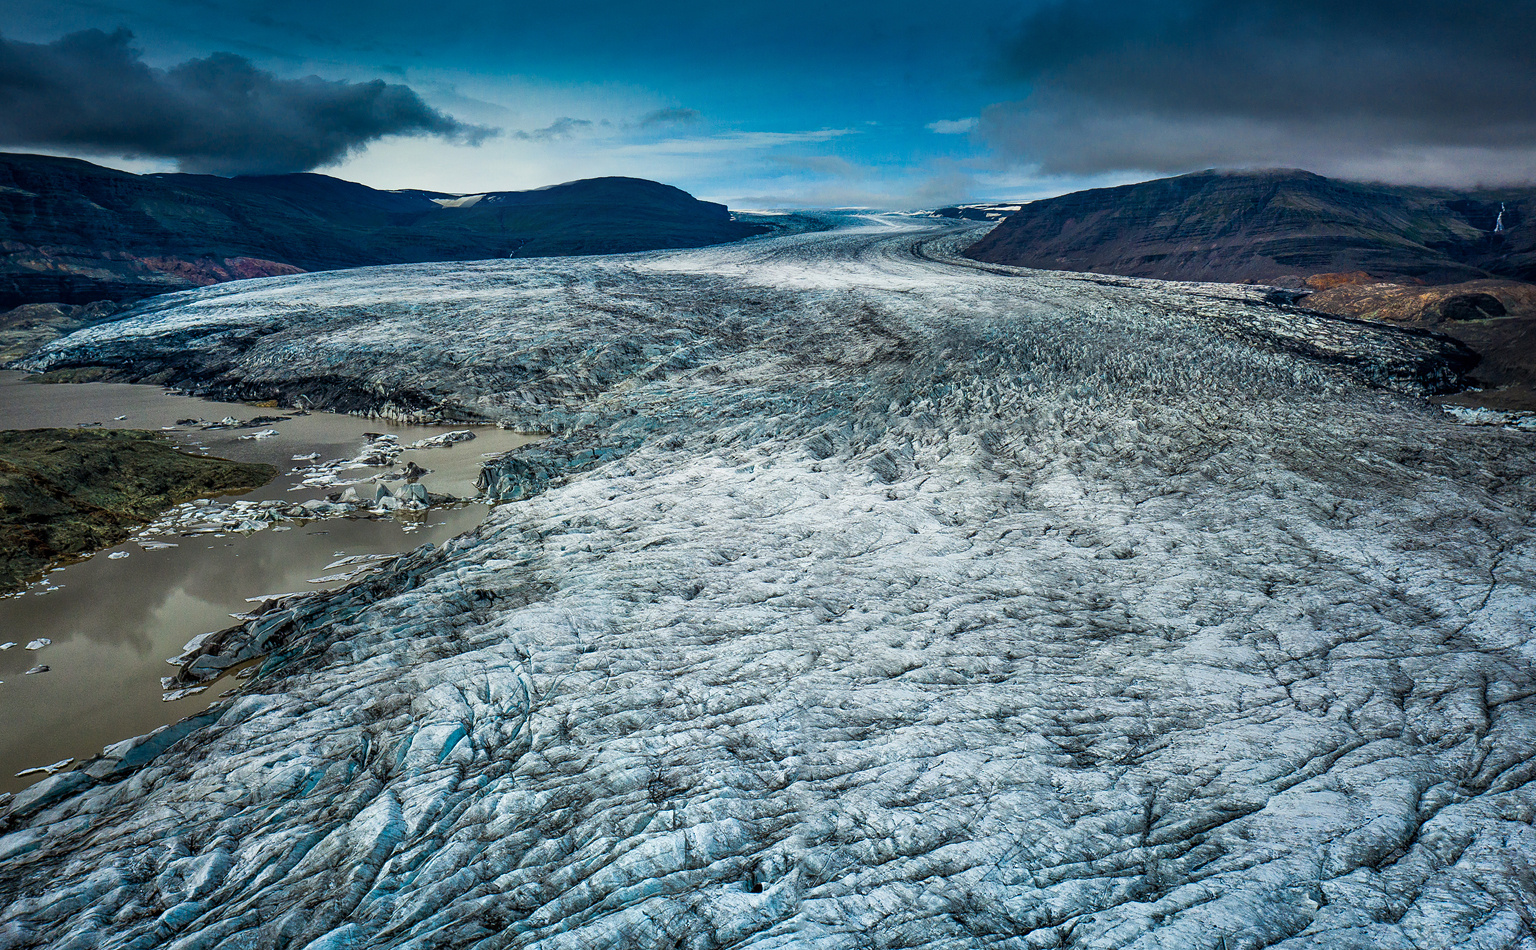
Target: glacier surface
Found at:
862, 597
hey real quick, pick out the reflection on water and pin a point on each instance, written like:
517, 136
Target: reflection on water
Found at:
114, 622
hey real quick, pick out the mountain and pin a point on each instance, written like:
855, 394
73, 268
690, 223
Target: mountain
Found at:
73, 232
1459, 263
1272, 227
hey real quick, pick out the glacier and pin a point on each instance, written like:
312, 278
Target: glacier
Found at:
861, 596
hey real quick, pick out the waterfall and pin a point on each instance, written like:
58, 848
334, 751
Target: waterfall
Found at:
1498, 225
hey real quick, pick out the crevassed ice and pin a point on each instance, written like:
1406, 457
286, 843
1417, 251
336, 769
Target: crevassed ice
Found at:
863, 598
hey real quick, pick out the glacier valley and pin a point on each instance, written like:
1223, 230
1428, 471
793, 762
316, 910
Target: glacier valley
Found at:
861, 596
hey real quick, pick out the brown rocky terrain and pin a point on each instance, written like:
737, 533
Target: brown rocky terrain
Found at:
1495, 319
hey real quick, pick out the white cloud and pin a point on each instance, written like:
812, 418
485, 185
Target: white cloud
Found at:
952, 126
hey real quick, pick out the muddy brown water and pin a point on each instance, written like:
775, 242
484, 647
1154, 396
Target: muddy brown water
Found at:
115, 621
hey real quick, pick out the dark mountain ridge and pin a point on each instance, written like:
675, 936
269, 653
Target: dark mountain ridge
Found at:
1273, 227
73, 232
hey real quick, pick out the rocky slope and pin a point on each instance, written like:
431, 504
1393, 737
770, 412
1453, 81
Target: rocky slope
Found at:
29, 326
72, 232
1494, 318
66, 492
865, 596
1276, 227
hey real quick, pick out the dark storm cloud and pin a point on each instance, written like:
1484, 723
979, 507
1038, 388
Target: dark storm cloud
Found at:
1410, 86
90, 91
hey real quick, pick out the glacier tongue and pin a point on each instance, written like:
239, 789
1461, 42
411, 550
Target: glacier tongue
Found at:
860, 599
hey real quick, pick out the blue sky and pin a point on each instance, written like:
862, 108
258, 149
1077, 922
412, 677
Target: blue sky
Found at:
835, 104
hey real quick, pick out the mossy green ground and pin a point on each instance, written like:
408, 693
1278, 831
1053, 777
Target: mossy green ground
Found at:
66, 492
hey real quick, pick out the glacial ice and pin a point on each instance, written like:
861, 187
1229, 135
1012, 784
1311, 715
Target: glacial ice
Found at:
863, 596
444, 440
1493, 417
53, 769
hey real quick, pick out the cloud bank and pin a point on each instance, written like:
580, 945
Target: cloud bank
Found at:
90, 91
1401, 90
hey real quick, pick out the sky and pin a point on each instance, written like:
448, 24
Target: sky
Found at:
784, 104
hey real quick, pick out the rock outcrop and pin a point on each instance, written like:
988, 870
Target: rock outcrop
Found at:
1494, 318
863, 596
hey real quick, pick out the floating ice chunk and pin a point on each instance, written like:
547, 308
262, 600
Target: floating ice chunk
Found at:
263, 434
443, 441
157, 545
118, 418
257, 600
357, 559
229, 421
306, 458
38, 669
7, 644
39, 643
172, 695
45, 769
117, 555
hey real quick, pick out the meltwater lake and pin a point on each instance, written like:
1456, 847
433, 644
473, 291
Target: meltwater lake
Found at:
114, 618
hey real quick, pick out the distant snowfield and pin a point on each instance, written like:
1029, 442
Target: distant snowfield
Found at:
463, 201
863, 597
